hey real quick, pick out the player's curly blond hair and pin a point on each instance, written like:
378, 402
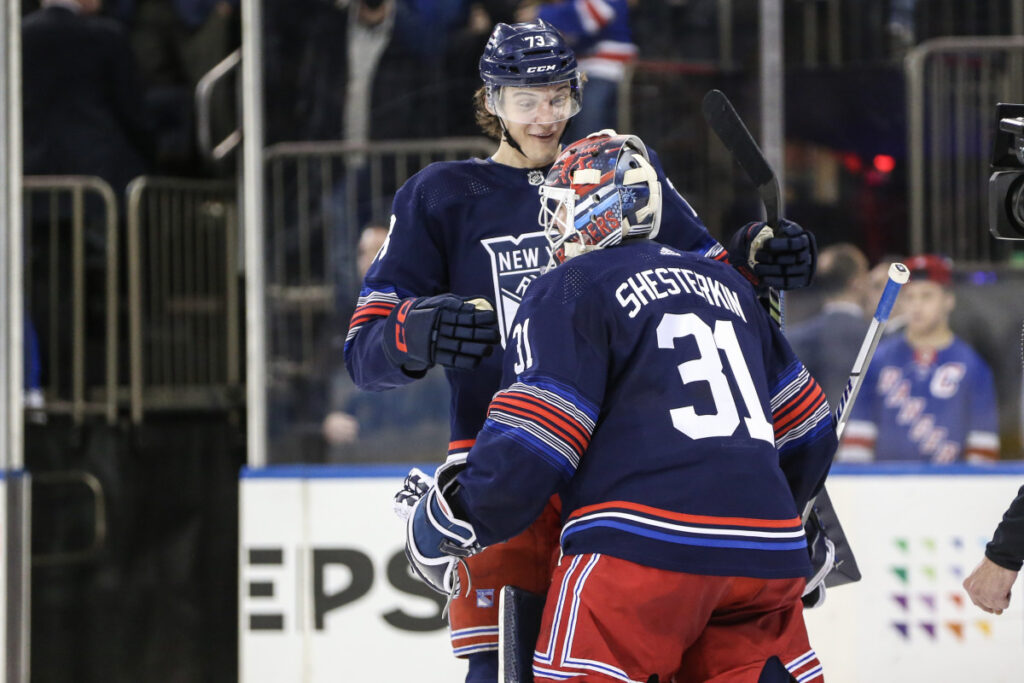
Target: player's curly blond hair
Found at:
487, 121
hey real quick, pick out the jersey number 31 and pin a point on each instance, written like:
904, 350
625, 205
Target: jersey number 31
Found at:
707, 367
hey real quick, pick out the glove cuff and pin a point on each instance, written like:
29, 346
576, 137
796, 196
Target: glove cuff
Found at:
396, 337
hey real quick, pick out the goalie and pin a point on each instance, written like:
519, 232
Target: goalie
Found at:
649, 388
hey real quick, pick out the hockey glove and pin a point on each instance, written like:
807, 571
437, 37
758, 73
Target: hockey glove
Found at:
415, 486
417, 483
451, 330
784, 262
435, 542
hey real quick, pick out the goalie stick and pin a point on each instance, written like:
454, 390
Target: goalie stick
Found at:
845, 569
898, 276
728, 126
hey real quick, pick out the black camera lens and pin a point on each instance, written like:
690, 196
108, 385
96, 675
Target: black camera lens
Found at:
1015, 203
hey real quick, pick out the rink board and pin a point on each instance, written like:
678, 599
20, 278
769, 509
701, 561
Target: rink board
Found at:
324, 595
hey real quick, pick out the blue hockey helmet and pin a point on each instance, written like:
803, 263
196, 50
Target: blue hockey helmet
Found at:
531, 55
600, 191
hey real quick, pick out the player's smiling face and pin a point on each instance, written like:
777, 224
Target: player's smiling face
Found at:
536, 118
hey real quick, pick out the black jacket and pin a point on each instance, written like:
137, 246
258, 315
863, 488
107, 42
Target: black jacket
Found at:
1007, 545
83, 98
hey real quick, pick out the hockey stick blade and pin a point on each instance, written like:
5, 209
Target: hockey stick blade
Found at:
728, 126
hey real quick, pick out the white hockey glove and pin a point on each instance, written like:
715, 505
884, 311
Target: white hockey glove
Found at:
418, 482
436, 541
415, 486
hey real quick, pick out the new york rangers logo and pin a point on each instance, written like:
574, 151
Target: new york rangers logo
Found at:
515, 263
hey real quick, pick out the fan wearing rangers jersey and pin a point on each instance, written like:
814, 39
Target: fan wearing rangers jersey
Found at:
463, 234
927, 395
651, 391
599, 32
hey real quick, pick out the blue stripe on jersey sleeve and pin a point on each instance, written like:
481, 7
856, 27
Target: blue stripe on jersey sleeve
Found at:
568, 392
533, 444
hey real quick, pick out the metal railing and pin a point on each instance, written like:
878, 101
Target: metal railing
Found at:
183, 299
321, 195
58, 211
204, 94
953, 85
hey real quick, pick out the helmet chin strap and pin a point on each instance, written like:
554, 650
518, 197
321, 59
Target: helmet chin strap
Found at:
507, 137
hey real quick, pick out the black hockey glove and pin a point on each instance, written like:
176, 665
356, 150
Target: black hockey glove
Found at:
784, 262
457, 332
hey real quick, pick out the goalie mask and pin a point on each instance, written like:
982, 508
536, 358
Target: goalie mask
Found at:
601, 190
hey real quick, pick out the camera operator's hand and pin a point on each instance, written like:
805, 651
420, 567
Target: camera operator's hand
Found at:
457, 332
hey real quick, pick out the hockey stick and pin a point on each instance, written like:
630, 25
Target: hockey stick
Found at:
827, 520
728, 126
898, 276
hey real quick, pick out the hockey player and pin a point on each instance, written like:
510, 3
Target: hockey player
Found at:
927, 396
652, 392
466, 230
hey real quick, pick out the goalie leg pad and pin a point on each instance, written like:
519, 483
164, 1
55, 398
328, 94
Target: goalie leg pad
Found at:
521, 613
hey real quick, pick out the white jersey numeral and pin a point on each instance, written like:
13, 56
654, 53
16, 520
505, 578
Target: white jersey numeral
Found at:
707, 367
387, 240
524, 354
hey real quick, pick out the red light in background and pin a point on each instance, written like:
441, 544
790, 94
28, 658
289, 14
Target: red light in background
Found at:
884, 163
852, 162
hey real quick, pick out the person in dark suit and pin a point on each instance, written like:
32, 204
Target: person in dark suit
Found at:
83, 115
829, 341
82, 96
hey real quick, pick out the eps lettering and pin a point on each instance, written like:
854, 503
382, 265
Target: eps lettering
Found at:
539, 69
265, 613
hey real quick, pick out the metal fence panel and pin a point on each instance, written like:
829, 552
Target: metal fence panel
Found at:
320, 197
71, 247
953, 86
183, 295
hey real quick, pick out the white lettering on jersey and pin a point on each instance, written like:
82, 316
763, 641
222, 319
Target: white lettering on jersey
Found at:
387, 240
646, 286
946, 380
515, 263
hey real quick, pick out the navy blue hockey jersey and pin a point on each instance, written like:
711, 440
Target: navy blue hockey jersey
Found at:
649, 388
470, 228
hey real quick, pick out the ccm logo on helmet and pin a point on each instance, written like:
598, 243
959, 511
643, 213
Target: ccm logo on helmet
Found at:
540, 69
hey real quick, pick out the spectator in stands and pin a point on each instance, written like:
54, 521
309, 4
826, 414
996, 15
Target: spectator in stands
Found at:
828, 342
927, 395
599, 33
370, 24
176, 43
414, 76
406, 424
82, 96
